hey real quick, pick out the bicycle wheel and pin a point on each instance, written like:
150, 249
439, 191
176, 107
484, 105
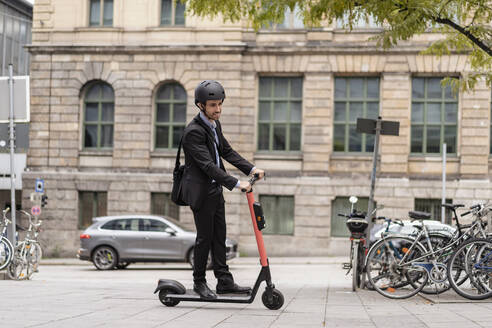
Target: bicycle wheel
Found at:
438, 243
6, 252
36, 254
15, 269
389, 268
475, 256
355, 265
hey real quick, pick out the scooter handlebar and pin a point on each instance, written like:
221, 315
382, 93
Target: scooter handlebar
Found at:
252, 181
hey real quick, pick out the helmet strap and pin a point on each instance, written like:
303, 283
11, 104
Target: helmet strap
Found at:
204, 111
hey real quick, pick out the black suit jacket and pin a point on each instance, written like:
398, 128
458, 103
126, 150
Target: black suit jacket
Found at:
200, 162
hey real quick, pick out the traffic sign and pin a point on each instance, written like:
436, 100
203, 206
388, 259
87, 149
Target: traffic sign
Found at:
39, 187
36, 210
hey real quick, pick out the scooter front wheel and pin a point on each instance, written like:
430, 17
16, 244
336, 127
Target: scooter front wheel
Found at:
166, 300
275, 302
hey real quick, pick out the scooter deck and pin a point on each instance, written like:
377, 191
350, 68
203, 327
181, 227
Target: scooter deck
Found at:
192, 296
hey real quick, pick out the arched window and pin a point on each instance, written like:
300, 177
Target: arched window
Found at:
99, 116
170, 117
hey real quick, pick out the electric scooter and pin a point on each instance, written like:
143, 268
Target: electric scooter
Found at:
171, 292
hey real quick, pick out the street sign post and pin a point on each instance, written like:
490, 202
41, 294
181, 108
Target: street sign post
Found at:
377, 127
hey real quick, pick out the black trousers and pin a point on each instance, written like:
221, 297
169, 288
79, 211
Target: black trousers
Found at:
211, 235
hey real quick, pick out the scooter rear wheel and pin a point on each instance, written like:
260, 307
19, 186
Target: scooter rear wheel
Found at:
275, 302
165, 300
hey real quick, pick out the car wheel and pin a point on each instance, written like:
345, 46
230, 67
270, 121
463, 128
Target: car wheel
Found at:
122, 265
105, 258
191, 259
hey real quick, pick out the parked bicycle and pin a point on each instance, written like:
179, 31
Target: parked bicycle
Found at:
357, 224
400, 266
27, 253
6, 248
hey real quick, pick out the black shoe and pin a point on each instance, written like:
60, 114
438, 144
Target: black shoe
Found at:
202, 289
233, 289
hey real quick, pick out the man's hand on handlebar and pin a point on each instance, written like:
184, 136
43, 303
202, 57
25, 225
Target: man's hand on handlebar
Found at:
245, 186
260, 173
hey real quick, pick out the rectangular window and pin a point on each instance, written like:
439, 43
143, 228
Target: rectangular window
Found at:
355, 97
172, 13
434, 117
433, 206
280, 114
101, 13
91, 204
279, 214
161, 204
342, 205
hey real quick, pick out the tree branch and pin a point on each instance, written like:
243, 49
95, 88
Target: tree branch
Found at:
465, 32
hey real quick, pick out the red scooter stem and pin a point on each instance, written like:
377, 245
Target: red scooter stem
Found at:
258, 234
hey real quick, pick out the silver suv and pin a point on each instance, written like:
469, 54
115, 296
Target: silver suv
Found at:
116, 241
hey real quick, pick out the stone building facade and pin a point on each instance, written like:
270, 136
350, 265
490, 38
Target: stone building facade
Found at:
137, 55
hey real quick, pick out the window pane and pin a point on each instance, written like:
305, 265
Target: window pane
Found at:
372, 110
450, 139
179, 19
107, 92
102, 203
295, 137
279, 214
95, 15
417, 139
433, 112
94, 92
107, 114
417, 112
106, 136
369, 142
280, 111
434, 88
296, 88
296, 111
179, 92
355, 139
161, 204
164, 92
281, 88
448, 93
266, 87
263, 136
433, 139
355, 111
279, 135
340, 115
451, 112
356, 87
108, 13
162, 137
339, 137
179, 113
162, 113
265, 111
90, 136
373, 88
86, 212
417, 87
166, 12
340, 87
177, 133
91, 112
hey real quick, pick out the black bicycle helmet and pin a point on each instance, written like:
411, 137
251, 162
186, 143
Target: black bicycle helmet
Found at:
209, 90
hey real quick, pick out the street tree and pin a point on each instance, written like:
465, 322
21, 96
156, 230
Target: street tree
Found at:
466, 25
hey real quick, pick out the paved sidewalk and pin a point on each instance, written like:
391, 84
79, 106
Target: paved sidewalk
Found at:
316, 295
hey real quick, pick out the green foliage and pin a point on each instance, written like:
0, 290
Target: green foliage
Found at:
465, 24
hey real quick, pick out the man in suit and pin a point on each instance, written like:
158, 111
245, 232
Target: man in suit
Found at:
204, 147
